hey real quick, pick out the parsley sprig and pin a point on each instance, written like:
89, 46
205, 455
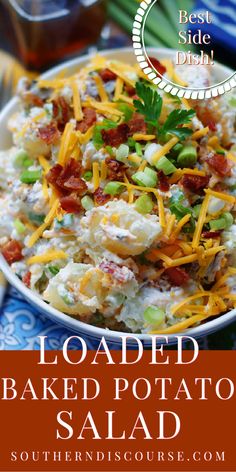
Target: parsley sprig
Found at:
150, 106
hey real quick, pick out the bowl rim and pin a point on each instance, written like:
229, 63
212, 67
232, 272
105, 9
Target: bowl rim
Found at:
69, 321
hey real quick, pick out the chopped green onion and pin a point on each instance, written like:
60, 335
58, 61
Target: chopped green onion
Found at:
87, 203
37, 219
54, 269
218, 224
113, 188
88, 175
109, 149
138, 149
220, 151
144, 204
30, 176
179, 210
126, 110
196, 210
122, 152
66, 222
224, 222
229, 220
97, 134
175, 150
148, 178
68, 299
166, 166
131, 143
187, 157
154, 316
22, 159
20, 227
177, 196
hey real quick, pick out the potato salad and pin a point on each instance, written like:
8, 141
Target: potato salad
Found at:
118, 199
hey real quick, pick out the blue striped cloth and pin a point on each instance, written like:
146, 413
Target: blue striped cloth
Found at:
223, 26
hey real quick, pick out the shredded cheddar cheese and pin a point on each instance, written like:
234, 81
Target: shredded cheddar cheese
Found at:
119, 88
48, 220
96, 179
50, 255
77, 101
200, 133
165, 149
200, 222
101, 90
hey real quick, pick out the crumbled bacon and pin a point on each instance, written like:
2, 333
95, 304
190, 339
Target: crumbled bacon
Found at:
116, 136
157, 65
130, 90
177, 276
212, 126
100, 198
32, 99
71, 204
116, 169
12, 251
26, 279
113, 269
164, 185
49, 134
75, 184
61, 112
107, 75
67, 179
211, 234
195, 183
89, 119
137, 124
219, 164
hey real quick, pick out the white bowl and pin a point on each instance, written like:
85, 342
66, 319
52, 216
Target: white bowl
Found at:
55, 315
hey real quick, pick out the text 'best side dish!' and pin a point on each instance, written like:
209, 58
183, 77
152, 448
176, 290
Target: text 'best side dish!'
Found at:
118, 199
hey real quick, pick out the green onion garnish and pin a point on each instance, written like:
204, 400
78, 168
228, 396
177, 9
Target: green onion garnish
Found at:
147, 178
88, 175
22, 159
224, 222
127, 110
220, 151
87, 203
66, 222
37, 219
54, 269
30, 176
179, 210
20, 227
138, 149
154, 316
113, 188
196, 210
187, 157
109, 149
166, 166
122, 152
144, 204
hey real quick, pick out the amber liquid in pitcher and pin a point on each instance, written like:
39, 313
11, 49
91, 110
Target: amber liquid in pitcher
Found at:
45, 31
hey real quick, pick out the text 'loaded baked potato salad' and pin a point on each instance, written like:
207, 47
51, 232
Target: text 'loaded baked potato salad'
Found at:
118, 199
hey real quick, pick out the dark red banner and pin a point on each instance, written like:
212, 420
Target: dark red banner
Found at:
115, 417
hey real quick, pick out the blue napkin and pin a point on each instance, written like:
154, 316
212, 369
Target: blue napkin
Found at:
223, 26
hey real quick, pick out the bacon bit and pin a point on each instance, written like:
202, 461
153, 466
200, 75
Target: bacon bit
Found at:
76, 184
212, 126
163, 182
12, 251
130, 90
137, 124
100, 198
49, 134
111, 268
116, 169
177, 276
116, 136
61, 112
54, 173
219, 164
195, 183
32, 99
211, 234
26, 279
71, 204
107, 75
157, 65
90, 118
67, 179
